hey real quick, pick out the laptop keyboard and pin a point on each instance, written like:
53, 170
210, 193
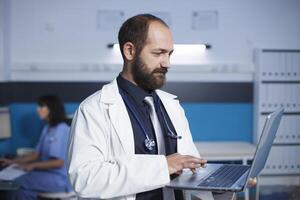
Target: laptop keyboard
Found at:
225, 176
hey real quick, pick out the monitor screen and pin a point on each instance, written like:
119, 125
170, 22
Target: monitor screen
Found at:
5, 130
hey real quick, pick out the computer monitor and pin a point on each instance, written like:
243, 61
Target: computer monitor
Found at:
5, 130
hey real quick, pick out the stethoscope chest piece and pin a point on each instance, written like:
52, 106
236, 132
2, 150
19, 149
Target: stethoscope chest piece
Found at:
150, 144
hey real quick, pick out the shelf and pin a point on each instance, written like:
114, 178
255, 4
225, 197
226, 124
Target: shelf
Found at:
276, 85
285, 113
282, 81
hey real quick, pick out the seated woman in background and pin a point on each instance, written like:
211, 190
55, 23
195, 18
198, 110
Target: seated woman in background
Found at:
47, 165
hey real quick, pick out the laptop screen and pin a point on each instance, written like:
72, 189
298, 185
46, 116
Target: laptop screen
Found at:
265, 143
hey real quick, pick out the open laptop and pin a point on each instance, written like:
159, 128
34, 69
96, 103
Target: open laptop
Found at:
10, 177
11, 173
232, 177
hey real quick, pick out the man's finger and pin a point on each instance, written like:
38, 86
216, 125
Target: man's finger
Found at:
191, 159
191, 165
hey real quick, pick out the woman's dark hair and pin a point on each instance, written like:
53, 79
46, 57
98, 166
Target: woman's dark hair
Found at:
135, 30
56, 109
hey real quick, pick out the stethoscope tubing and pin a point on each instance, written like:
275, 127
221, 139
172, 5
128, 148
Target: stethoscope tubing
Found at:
133, 111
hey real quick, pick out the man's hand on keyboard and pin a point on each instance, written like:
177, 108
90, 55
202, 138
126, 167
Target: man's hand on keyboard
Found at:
177, 162
5, 161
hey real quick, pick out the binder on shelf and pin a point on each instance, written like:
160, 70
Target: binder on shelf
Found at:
267, 66
264, 96
294, 90
297, 128
281, 93
280, 135
297, 95
275, 97
270, 98
287, 67
287, 94
289, 132
281, 66
296, 65
297, 135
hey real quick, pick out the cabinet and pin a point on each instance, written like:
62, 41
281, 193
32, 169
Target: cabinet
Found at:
277, 84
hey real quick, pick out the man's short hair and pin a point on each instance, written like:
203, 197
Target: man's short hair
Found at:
135, 30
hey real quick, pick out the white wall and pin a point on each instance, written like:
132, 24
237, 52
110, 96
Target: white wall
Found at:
56, 34
5, 40
2, 76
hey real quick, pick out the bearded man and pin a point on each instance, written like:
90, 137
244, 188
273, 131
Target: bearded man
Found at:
129, 139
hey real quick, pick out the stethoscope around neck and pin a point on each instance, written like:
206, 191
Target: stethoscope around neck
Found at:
148, 142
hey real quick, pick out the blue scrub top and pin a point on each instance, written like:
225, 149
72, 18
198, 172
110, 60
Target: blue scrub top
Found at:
53, 144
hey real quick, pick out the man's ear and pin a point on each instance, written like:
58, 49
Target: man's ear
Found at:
129, 51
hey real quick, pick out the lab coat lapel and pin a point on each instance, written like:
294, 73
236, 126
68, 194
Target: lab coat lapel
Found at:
171, 105
178, 119
119, 116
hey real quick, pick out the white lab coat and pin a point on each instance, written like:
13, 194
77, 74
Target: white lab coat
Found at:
102, 162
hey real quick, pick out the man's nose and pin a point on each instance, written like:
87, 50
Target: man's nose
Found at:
166, 62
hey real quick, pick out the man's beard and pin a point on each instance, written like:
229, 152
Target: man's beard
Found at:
148, 80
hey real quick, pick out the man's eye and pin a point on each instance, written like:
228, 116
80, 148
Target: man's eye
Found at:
156, 53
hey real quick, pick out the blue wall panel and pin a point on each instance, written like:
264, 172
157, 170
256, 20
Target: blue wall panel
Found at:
220, 121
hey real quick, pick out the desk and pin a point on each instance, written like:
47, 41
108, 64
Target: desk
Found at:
227, 151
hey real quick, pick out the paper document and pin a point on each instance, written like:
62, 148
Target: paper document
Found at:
11, 172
